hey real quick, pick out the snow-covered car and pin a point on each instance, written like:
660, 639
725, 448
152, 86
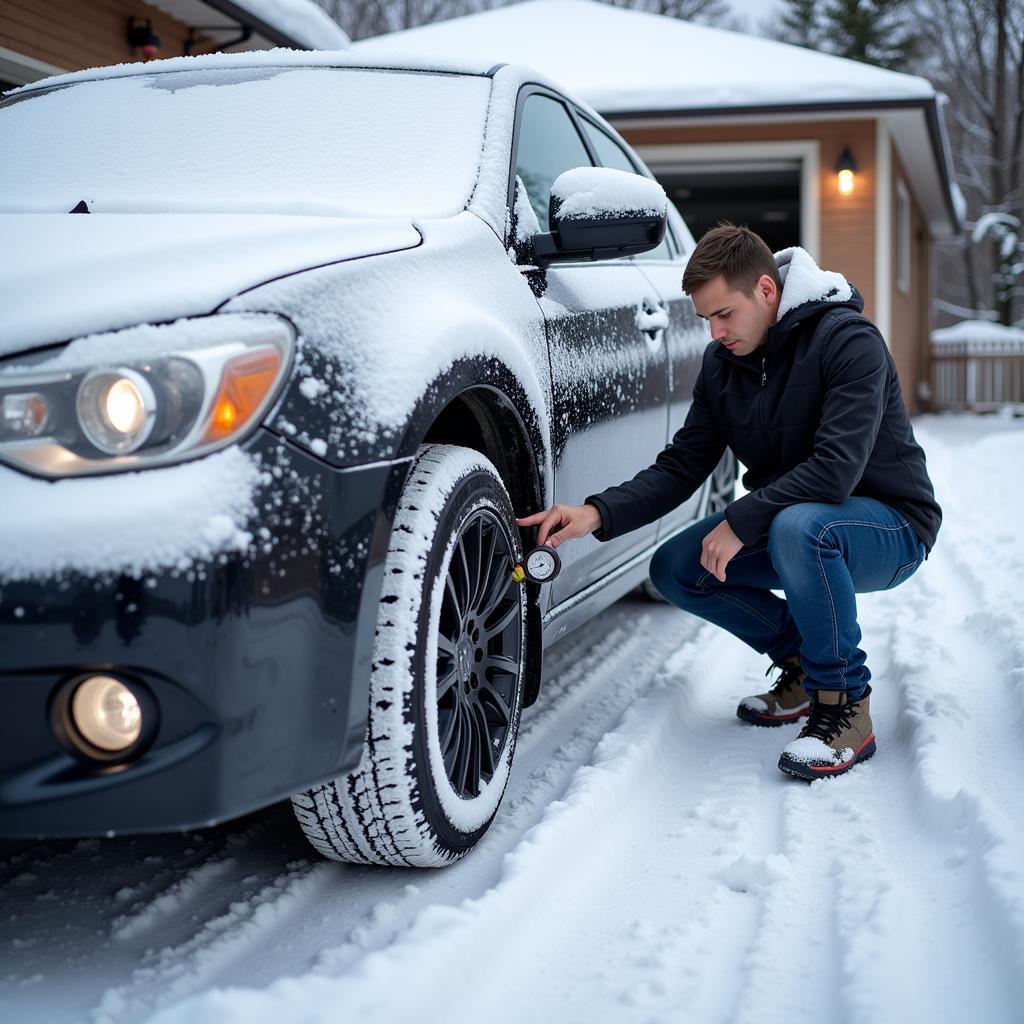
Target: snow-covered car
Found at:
284, 348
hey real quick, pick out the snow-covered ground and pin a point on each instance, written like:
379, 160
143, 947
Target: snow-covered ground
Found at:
649, 863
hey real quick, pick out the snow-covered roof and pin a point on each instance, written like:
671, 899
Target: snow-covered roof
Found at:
624, 60
980, 335
301, 23
628, 63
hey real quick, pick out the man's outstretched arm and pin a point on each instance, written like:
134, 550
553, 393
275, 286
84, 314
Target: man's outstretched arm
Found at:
677, 472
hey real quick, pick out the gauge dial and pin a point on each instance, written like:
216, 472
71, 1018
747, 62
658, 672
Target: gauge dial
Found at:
542, 564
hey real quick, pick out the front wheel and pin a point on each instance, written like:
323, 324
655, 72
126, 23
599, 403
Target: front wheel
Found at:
446, 685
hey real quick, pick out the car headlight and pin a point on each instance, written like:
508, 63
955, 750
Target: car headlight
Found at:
144, 396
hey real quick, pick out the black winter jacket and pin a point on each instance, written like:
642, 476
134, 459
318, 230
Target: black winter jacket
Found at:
815, 414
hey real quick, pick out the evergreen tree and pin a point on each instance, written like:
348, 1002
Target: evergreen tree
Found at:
874, 31
799, 24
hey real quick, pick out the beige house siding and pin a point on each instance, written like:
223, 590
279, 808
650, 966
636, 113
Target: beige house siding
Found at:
847, 225
910, 307
71, 35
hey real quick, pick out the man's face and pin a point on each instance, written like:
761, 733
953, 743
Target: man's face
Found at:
738, 321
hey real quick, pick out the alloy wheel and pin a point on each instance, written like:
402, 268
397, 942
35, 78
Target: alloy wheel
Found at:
479, 651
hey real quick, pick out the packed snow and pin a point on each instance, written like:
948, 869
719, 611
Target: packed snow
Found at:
649, 862
67, 276
604, 191
247, 139
129, 523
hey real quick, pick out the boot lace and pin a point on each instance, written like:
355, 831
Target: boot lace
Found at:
790, 677
827, 721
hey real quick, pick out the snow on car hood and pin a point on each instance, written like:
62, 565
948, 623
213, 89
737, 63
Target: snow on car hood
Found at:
67, 275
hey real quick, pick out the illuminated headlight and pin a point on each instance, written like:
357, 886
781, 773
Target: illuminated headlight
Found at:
106, 714
145, 396
116, 410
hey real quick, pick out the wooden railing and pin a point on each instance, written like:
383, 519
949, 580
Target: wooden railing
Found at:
977, 375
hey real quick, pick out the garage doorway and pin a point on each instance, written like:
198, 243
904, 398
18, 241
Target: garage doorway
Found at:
772, 187
765, 197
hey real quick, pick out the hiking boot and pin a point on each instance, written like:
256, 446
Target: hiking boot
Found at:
786, 701
836, 736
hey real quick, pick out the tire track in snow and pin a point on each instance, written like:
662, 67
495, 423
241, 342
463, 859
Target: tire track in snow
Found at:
869, 872
189, 928
966, 746
547, 865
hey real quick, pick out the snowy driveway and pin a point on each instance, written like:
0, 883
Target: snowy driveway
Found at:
649, 861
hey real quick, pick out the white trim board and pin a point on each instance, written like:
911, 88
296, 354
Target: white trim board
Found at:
807, 151
883, 230
16, 67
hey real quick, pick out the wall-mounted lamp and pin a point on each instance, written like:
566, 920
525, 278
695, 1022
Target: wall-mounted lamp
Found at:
846, 168
141, 37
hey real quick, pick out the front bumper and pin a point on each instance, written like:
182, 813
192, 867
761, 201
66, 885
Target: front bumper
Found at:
258, 662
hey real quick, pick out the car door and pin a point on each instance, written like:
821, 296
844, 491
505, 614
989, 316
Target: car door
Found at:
608, 353
686, 335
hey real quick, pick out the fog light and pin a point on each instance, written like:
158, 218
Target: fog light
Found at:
107, 714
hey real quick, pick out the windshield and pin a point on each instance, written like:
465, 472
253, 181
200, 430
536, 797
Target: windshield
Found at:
349, 142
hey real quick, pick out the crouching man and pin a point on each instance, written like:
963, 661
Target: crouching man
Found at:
801, 386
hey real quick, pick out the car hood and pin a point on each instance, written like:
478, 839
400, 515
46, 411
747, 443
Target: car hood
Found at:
64, 275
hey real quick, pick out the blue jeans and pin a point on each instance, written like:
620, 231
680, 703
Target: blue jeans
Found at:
820, 556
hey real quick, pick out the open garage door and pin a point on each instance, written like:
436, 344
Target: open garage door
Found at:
765, 196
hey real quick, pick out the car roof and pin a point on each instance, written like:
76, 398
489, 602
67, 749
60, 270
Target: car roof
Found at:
276, 58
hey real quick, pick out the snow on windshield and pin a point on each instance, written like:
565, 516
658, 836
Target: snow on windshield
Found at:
348, 142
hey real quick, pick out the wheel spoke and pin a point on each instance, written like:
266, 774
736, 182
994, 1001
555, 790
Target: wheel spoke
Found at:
445, 645
450, 585
486, 566
463, 751
475, 752
445, 740
502, 581
489, 692
445, 684
467, 576
486, 763
500, 626
452, 738
501, 663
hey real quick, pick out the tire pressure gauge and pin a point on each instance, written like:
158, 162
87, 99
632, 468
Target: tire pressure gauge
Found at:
541, 565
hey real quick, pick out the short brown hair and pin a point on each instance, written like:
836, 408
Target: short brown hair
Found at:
737, 253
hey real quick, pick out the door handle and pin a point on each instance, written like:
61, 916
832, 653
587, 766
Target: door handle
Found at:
651, 318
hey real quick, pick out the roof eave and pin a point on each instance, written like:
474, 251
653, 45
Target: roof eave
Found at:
928, 105
249, 20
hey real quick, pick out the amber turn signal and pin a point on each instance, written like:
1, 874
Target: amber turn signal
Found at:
244, 384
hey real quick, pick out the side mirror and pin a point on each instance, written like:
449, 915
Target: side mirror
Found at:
597, 213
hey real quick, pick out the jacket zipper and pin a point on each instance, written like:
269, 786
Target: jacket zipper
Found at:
760, 400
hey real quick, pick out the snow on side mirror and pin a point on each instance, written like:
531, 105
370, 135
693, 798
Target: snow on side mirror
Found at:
597, 213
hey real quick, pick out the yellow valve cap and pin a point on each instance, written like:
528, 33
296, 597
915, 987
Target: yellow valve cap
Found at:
518, 575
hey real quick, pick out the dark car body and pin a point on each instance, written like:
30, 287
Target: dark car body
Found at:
256, 658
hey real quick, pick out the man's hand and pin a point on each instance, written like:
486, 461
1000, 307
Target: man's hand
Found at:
718, 548
570, 521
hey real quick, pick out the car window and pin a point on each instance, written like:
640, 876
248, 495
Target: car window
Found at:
548, 145
611, 154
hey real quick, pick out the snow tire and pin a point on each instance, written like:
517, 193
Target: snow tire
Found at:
401, 805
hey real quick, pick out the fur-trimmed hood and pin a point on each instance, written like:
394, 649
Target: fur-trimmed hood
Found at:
804, 283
